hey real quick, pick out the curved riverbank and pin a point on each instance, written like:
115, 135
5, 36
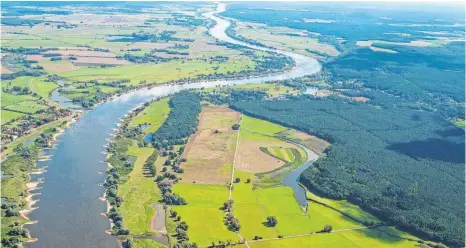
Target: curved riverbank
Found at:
70, 210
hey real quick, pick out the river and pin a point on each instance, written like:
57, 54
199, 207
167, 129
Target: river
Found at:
69, 212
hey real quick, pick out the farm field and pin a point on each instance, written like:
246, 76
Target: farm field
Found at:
202, 212
210, 151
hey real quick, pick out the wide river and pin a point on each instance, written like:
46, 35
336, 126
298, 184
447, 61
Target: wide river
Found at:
69, 212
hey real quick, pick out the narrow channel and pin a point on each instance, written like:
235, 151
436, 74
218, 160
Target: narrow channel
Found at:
69, 212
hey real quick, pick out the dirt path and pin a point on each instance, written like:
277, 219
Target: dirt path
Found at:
157, 223
234, 159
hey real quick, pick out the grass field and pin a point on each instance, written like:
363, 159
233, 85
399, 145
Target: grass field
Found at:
253, 206
10, 99
348, 239
138, 193
344, 206
202, 213
29, 107
147, 243
42, 88
260, 126
154, 116
7, 116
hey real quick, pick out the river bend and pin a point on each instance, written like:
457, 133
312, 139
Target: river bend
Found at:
69, 212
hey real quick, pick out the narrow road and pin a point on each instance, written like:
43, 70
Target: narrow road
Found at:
234, 157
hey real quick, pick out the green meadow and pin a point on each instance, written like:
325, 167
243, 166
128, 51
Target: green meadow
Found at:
154, 116
366, 238
139, 193
202, 212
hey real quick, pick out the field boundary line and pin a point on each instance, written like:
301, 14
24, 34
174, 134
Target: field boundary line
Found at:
234, 158
310, 234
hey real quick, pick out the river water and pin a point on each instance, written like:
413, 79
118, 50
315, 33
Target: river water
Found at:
69, 212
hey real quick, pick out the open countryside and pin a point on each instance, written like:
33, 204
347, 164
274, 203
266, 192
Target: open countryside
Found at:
241, 124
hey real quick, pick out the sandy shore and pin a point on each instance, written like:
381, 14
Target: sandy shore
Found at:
38, 171
103, 198
29, 201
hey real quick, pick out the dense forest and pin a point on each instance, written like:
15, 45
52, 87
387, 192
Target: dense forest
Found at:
404, 165
182, 121
428, 74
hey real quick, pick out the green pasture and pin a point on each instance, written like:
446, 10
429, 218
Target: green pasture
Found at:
253, 206
257, 129
7, 116
139, 193
154, 115
29, 107
202, 212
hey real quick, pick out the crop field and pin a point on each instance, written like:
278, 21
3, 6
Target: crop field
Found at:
210, 151
60, 66
202, 212
139, 193
154, 116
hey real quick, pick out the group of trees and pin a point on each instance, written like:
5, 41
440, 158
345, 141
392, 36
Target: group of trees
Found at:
172, 52
373, 150
230, 221
431, 75
17, 90
146, 58
31, 73
182, 121
182, 238
150, 163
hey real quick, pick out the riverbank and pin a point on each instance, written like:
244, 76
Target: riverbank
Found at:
19, 191
83, 146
